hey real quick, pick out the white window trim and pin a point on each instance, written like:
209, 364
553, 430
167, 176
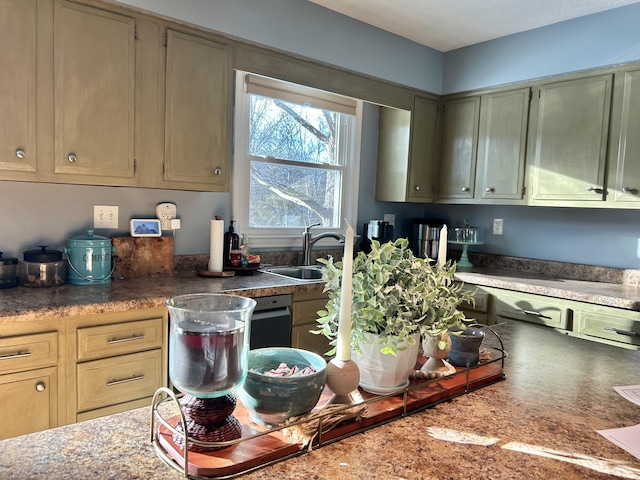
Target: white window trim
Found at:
290, 238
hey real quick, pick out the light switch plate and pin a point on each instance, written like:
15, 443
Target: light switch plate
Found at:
105, 216
497, 226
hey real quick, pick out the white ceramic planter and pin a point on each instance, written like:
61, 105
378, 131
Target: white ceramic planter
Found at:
384, 373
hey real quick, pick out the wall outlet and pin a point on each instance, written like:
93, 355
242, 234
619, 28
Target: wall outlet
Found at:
165, 212
497, 226
105, 216
390, 218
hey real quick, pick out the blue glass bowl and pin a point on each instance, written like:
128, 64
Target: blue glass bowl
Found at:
272, 400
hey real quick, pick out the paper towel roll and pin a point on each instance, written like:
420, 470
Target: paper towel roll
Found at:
216, 246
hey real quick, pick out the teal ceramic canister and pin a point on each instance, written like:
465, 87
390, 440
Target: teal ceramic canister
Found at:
90, 259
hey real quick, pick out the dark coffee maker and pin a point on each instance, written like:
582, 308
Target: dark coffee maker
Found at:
375, 230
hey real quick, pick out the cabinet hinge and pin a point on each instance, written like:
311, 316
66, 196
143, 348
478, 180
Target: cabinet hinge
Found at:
166, 38
524, 190
162, 168
530, 95
135, 32
135, 165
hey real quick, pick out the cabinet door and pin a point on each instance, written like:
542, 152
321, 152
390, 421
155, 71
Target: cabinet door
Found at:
197, 113
94, 76
502, 145
570, 141
459, 148
423, 152
18, 87
626, 144
392, 168
29, 402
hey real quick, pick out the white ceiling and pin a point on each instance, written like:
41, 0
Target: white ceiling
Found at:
450, 24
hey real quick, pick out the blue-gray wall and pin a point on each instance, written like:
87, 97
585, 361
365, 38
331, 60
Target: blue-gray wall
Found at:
33, 214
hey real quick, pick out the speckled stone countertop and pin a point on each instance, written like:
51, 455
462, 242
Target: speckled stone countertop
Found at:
540, 423
585, 283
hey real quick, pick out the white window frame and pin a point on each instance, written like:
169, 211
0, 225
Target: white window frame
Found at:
289, 238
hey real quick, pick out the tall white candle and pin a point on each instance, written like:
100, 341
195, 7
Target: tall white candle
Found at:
442, 247
343, 347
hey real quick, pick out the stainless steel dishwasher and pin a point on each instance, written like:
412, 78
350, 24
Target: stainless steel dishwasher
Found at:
271, 322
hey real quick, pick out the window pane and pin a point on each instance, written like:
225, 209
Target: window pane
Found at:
283, 196
289, 131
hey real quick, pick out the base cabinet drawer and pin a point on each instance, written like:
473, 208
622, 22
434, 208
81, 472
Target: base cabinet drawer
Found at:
533, 309
118, 379
621, 327
120, 338
29, 402
24, 352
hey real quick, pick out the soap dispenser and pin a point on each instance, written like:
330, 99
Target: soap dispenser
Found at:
231, 242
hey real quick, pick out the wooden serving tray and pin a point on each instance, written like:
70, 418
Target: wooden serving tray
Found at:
275, 446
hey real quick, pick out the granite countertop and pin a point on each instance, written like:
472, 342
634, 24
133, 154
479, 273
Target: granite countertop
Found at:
598, 285
540, 423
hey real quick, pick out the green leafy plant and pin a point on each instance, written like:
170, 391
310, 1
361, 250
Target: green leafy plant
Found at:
395, 295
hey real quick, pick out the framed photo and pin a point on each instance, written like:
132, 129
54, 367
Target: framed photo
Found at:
145, 227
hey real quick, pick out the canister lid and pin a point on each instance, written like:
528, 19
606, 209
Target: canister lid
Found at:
89, 240
8, 260
43, 255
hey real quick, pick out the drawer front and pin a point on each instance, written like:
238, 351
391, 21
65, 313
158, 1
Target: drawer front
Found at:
532, 309
118, 379
119, 338
26, 352
305, 313
609, 326
481, 303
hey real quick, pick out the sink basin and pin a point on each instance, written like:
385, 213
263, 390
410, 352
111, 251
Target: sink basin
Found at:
302, 272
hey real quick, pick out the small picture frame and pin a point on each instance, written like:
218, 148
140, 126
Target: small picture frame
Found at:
145, 227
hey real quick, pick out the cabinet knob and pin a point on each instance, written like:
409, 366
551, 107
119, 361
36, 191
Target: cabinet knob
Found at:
72, 158
41, 386
489, 189
466, 189
627, 190
218, 171
591, 188
20, 153
417, 188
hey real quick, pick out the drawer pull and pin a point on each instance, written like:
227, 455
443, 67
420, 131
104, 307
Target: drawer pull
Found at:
126, 339
532, 313
628, 333
7, 356
41, 386
132, 378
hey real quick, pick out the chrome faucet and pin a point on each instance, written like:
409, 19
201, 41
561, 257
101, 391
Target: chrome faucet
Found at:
308, 241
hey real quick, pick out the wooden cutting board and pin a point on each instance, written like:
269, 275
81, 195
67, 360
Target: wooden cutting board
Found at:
143, 256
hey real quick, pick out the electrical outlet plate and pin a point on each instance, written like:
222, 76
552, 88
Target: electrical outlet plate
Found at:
390, 218
497, 226
105, 216
166, 211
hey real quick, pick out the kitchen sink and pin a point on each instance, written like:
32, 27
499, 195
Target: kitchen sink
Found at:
302, 272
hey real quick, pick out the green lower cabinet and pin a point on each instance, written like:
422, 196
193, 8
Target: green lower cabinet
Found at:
613, 326
526, 307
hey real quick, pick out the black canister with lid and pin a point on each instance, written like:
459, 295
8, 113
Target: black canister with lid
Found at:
43, 268
8, 271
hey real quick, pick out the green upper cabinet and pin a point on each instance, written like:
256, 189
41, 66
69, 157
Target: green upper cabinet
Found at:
502, 144
18, 85
407, 145
624, 191
198, 105
461, 117
568, 141
94, 95
423, 150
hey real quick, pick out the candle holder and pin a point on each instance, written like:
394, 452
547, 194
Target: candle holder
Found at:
343, 377
208, 357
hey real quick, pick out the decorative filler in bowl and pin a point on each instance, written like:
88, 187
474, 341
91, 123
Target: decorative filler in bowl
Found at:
272, 398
